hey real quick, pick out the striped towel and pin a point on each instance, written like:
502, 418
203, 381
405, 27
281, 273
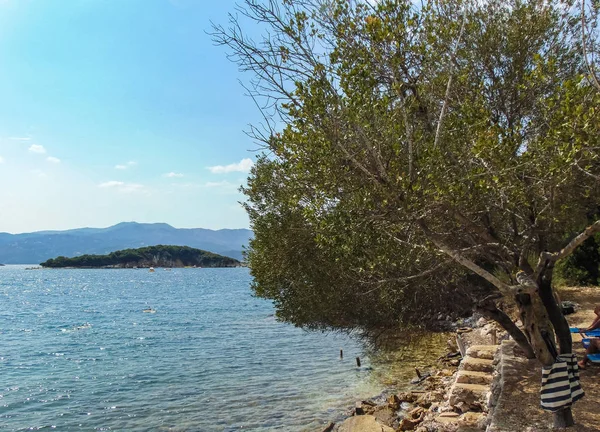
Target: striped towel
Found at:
560, 383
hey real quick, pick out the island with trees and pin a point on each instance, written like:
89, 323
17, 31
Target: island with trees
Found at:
150, 256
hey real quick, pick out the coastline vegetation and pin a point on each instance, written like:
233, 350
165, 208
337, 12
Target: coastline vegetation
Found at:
150, 256
422, 159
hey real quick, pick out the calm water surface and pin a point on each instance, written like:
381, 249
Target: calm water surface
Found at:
78, 353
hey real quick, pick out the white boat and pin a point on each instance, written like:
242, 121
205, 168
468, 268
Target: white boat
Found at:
151, 270
149, 310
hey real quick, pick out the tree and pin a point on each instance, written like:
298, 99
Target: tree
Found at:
407, 147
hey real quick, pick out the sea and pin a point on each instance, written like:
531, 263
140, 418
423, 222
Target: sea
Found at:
78, 352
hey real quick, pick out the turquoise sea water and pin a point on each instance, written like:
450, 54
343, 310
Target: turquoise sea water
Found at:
77, 352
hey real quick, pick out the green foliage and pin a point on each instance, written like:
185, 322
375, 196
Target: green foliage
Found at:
159, 256
583, 266
467, 125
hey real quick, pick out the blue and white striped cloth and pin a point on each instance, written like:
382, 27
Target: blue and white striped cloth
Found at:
560, 383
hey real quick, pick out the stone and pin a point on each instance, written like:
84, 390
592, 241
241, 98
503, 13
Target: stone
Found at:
329, 427
408, 396
359, 410
478, 365
470, 394
447, 417
416, 412
486, 352
407, 424
421, 429
394, 402
474, 377
473, 418
454, 362
481, 322
364, 423
462, 407
385, 415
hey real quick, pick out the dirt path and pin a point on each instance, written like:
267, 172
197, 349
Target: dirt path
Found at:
586, 411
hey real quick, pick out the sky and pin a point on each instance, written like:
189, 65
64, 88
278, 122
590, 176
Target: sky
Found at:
120, 110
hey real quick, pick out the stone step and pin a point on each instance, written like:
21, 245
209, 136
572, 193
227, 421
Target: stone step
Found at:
468, 393
474, 377
477, 365
483, 351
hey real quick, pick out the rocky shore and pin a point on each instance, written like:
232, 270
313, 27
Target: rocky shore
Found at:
457, 395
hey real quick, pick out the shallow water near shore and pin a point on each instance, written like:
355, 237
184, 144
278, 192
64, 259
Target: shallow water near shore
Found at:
78, 352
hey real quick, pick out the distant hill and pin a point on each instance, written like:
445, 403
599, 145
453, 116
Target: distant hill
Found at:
151, 256
31, 248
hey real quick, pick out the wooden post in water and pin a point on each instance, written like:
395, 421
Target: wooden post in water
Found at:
418, 373
341, 353
358, 361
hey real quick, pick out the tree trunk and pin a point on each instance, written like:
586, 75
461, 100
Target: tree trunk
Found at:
563, 418
537, 326
560, 324
491, 311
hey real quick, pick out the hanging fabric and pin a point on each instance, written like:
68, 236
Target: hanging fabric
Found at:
560, 383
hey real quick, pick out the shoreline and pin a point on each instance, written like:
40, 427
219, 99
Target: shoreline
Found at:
423, 404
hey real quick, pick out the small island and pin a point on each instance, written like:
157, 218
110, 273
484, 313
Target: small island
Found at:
151, 256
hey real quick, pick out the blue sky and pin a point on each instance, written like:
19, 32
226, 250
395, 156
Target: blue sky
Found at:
119, 110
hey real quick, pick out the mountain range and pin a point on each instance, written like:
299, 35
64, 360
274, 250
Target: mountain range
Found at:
35, 247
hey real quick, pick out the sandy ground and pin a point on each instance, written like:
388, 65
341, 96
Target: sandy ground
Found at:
526, 415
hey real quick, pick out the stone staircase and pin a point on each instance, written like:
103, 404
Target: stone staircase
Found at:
470, 393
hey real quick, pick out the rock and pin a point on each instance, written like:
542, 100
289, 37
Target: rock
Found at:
473, 377
407, 424
445, 372
359, 410
385, 415
394, 402
329, 427
416, 412
485, 352
408, 396
364, 423
462, 407
473, 395
454, 362
472, 418
478, 365
481, 322
421, 429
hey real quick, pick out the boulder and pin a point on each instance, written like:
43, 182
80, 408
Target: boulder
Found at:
394, 402
364, 423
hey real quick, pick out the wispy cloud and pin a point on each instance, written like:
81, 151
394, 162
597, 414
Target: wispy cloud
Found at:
173, 175
125, 166
19, 138
53, 159
242, 166
36, 148
122, 186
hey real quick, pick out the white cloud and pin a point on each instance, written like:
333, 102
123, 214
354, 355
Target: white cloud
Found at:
36, 148
173, 175
242, 166
122, 186
19, 138
125, 166
53, 159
